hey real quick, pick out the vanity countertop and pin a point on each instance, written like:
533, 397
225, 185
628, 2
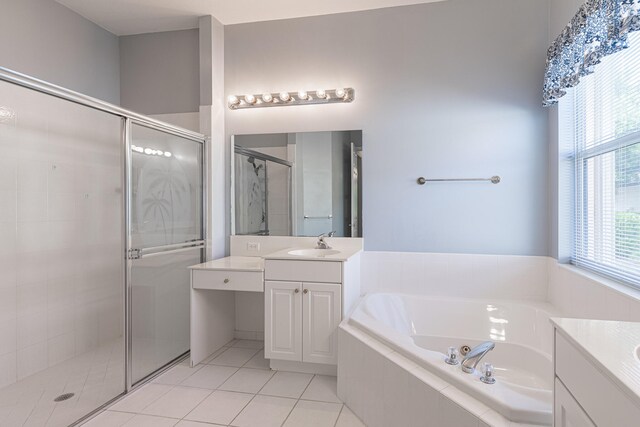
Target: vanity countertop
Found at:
612, 346
343, 255
232, 263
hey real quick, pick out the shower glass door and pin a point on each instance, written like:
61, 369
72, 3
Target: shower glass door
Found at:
62, 349
166, 235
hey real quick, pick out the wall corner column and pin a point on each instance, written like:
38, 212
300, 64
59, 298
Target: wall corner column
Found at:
212, 111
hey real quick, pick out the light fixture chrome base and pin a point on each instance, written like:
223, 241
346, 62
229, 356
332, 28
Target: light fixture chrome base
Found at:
284, 99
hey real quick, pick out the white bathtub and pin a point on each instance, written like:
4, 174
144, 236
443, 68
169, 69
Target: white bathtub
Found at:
422, 328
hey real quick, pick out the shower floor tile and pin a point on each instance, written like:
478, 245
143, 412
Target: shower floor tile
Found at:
95, 377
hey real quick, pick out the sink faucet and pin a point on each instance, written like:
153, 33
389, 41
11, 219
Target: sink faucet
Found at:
476, 354
322, 244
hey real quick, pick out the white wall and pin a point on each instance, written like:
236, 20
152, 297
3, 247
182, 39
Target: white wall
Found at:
449, 89
46, 40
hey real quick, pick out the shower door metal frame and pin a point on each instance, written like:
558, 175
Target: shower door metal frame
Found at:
237, 149
201, 243
127, 117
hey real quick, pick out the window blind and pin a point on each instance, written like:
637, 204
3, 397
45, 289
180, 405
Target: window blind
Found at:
606, 132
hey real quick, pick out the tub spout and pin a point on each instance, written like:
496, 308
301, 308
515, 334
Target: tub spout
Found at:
476, 354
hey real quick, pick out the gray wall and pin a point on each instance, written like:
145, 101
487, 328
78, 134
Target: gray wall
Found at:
46, 40
159, 72
449, 89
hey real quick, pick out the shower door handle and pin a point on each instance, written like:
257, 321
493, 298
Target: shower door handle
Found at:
139, 253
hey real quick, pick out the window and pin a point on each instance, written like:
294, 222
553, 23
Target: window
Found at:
605, 125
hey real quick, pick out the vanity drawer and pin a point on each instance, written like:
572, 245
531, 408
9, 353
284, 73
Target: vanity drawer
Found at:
303, 271
226, 280
589, 385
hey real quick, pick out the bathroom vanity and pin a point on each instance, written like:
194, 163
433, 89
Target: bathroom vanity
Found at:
307, 294
213, 288
595, 359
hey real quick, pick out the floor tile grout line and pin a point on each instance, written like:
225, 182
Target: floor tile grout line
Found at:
213, 391
243, 408
339, 413
298, 400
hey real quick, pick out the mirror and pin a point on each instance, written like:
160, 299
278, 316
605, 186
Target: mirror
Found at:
297, 184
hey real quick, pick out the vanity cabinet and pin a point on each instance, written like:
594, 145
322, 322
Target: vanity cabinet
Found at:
596, 373
567, 412
301, 320
305, 301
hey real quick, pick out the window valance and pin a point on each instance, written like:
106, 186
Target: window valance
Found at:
600, 28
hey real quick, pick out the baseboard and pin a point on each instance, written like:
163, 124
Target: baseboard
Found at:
249, 335
302, 367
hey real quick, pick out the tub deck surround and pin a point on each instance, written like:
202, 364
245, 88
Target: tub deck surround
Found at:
612, 346
420, 329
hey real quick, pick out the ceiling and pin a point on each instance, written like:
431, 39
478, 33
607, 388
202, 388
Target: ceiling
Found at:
124, 17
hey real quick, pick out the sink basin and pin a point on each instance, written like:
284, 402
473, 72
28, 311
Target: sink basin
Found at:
313, 252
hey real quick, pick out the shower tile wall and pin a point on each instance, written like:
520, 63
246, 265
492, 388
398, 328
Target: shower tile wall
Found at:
60, 231
278, 209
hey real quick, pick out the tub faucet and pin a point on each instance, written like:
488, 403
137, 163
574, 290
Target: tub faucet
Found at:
474, 356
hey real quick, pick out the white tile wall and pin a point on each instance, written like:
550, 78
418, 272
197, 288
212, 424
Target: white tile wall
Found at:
277, 193
458, 275
577, 293
60, 182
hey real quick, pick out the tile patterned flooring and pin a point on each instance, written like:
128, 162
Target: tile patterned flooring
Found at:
233, 387
95, 377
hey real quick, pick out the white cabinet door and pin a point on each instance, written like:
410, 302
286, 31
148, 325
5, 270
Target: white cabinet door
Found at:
567, 412
321, 316
283, 314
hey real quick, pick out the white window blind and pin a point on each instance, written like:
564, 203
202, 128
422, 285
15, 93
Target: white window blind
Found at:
606, 132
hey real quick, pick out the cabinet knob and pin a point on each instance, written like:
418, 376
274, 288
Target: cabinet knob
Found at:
297, 290
226, 280
306, 291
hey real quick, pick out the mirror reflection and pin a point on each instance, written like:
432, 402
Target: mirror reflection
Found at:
297, 184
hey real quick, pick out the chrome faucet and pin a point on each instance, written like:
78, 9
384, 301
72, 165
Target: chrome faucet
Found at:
473, 357
322, 244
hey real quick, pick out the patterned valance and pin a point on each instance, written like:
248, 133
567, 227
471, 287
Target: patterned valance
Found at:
600, 28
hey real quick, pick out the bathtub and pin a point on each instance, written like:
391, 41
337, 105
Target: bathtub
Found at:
422, 328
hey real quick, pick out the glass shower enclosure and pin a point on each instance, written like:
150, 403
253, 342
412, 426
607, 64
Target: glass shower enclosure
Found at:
165, 236
101, 211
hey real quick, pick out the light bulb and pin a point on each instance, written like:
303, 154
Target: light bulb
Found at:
321, 93
341, 93
303, 95
167, 154
267, 97
233, 100
250, 99
285, 96
148, 151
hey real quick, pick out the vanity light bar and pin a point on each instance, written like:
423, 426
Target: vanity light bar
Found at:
282, 99
150, 151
